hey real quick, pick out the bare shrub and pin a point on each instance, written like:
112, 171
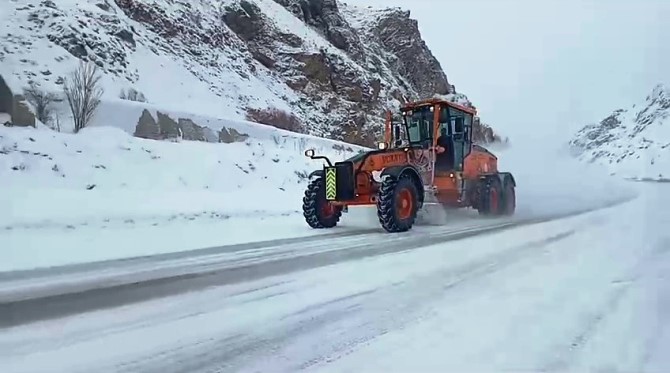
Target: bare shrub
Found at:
132, 95
301, 144
42, 101
302, 175
276, 118
342, 149
83, 93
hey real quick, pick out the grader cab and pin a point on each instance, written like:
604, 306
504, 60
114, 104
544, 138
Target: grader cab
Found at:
427, 157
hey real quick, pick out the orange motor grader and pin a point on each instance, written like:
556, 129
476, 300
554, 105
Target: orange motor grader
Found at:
427, 157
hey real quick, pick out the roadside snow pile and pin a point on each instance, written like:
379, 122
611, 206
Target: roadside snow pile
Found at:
103, 176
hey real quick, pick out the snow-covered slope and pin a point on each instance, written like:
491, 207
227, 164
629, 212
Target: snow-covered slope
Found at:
103, 193
334, 66
633, 143
103, 176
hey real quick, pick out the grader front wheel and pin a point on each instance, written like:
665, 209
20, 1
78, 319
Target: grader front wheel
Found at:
318, 212
397, 204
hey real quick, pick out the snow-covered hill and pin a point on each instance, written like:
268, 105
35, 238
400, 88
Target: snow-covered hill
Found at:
633, 143
103, 193
102, 176
334, 66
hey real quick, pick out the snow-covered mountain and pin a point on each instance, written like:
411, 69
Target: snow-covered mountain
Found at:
335, 67
633, 143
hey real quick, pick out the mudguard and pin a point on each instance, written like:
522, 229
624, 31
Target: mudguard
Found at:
500, 175
315, 173
505, 175
398, 171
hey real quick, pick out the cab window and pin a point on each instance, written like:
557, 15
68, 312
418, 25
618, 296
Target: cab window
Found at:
460, 123
413, 131
444, 122
419, 125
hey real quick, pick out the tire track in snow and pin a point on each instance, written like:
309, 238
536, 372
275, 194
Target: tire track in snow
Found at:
437, 284
106, 264
364, 315
109, 294
590, 325
589, 328
227, 353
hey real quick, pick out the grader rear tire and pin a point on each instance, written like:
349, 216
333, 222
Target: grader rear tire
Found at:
397, 204
490, 194
509, 197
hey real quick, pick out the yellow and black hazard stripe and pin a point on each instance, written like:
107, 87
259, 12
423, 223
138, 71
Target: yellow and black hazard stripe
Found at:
331, 184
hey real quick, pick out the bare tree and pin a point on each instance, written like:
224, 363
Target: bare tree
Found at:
42, 101
83, 93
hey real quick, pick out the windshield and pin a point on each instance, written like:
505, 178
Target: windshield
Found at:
419, 124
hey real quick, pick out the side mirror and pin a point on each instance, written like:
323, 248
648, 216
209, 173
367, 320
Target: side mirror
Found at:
381, 145
309, 153
396, 132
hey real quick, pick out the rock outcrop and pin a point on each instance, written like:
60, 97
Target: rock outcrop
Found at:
163, 127
16, 107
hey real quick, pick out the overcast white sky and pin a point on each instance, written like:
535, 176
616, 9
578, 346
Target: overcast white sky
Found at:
546, 63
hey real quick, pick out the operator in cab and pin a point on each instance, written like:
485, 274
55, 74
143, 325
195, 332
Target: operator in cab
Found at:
444, 161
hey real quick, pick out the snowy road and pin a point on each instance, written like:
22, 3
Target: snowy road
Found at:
582, 292
32, 295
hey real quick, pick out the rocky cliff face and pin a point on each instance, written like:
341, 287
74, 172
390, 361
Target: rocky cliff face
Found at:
631, 142
334, 68
378, 60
